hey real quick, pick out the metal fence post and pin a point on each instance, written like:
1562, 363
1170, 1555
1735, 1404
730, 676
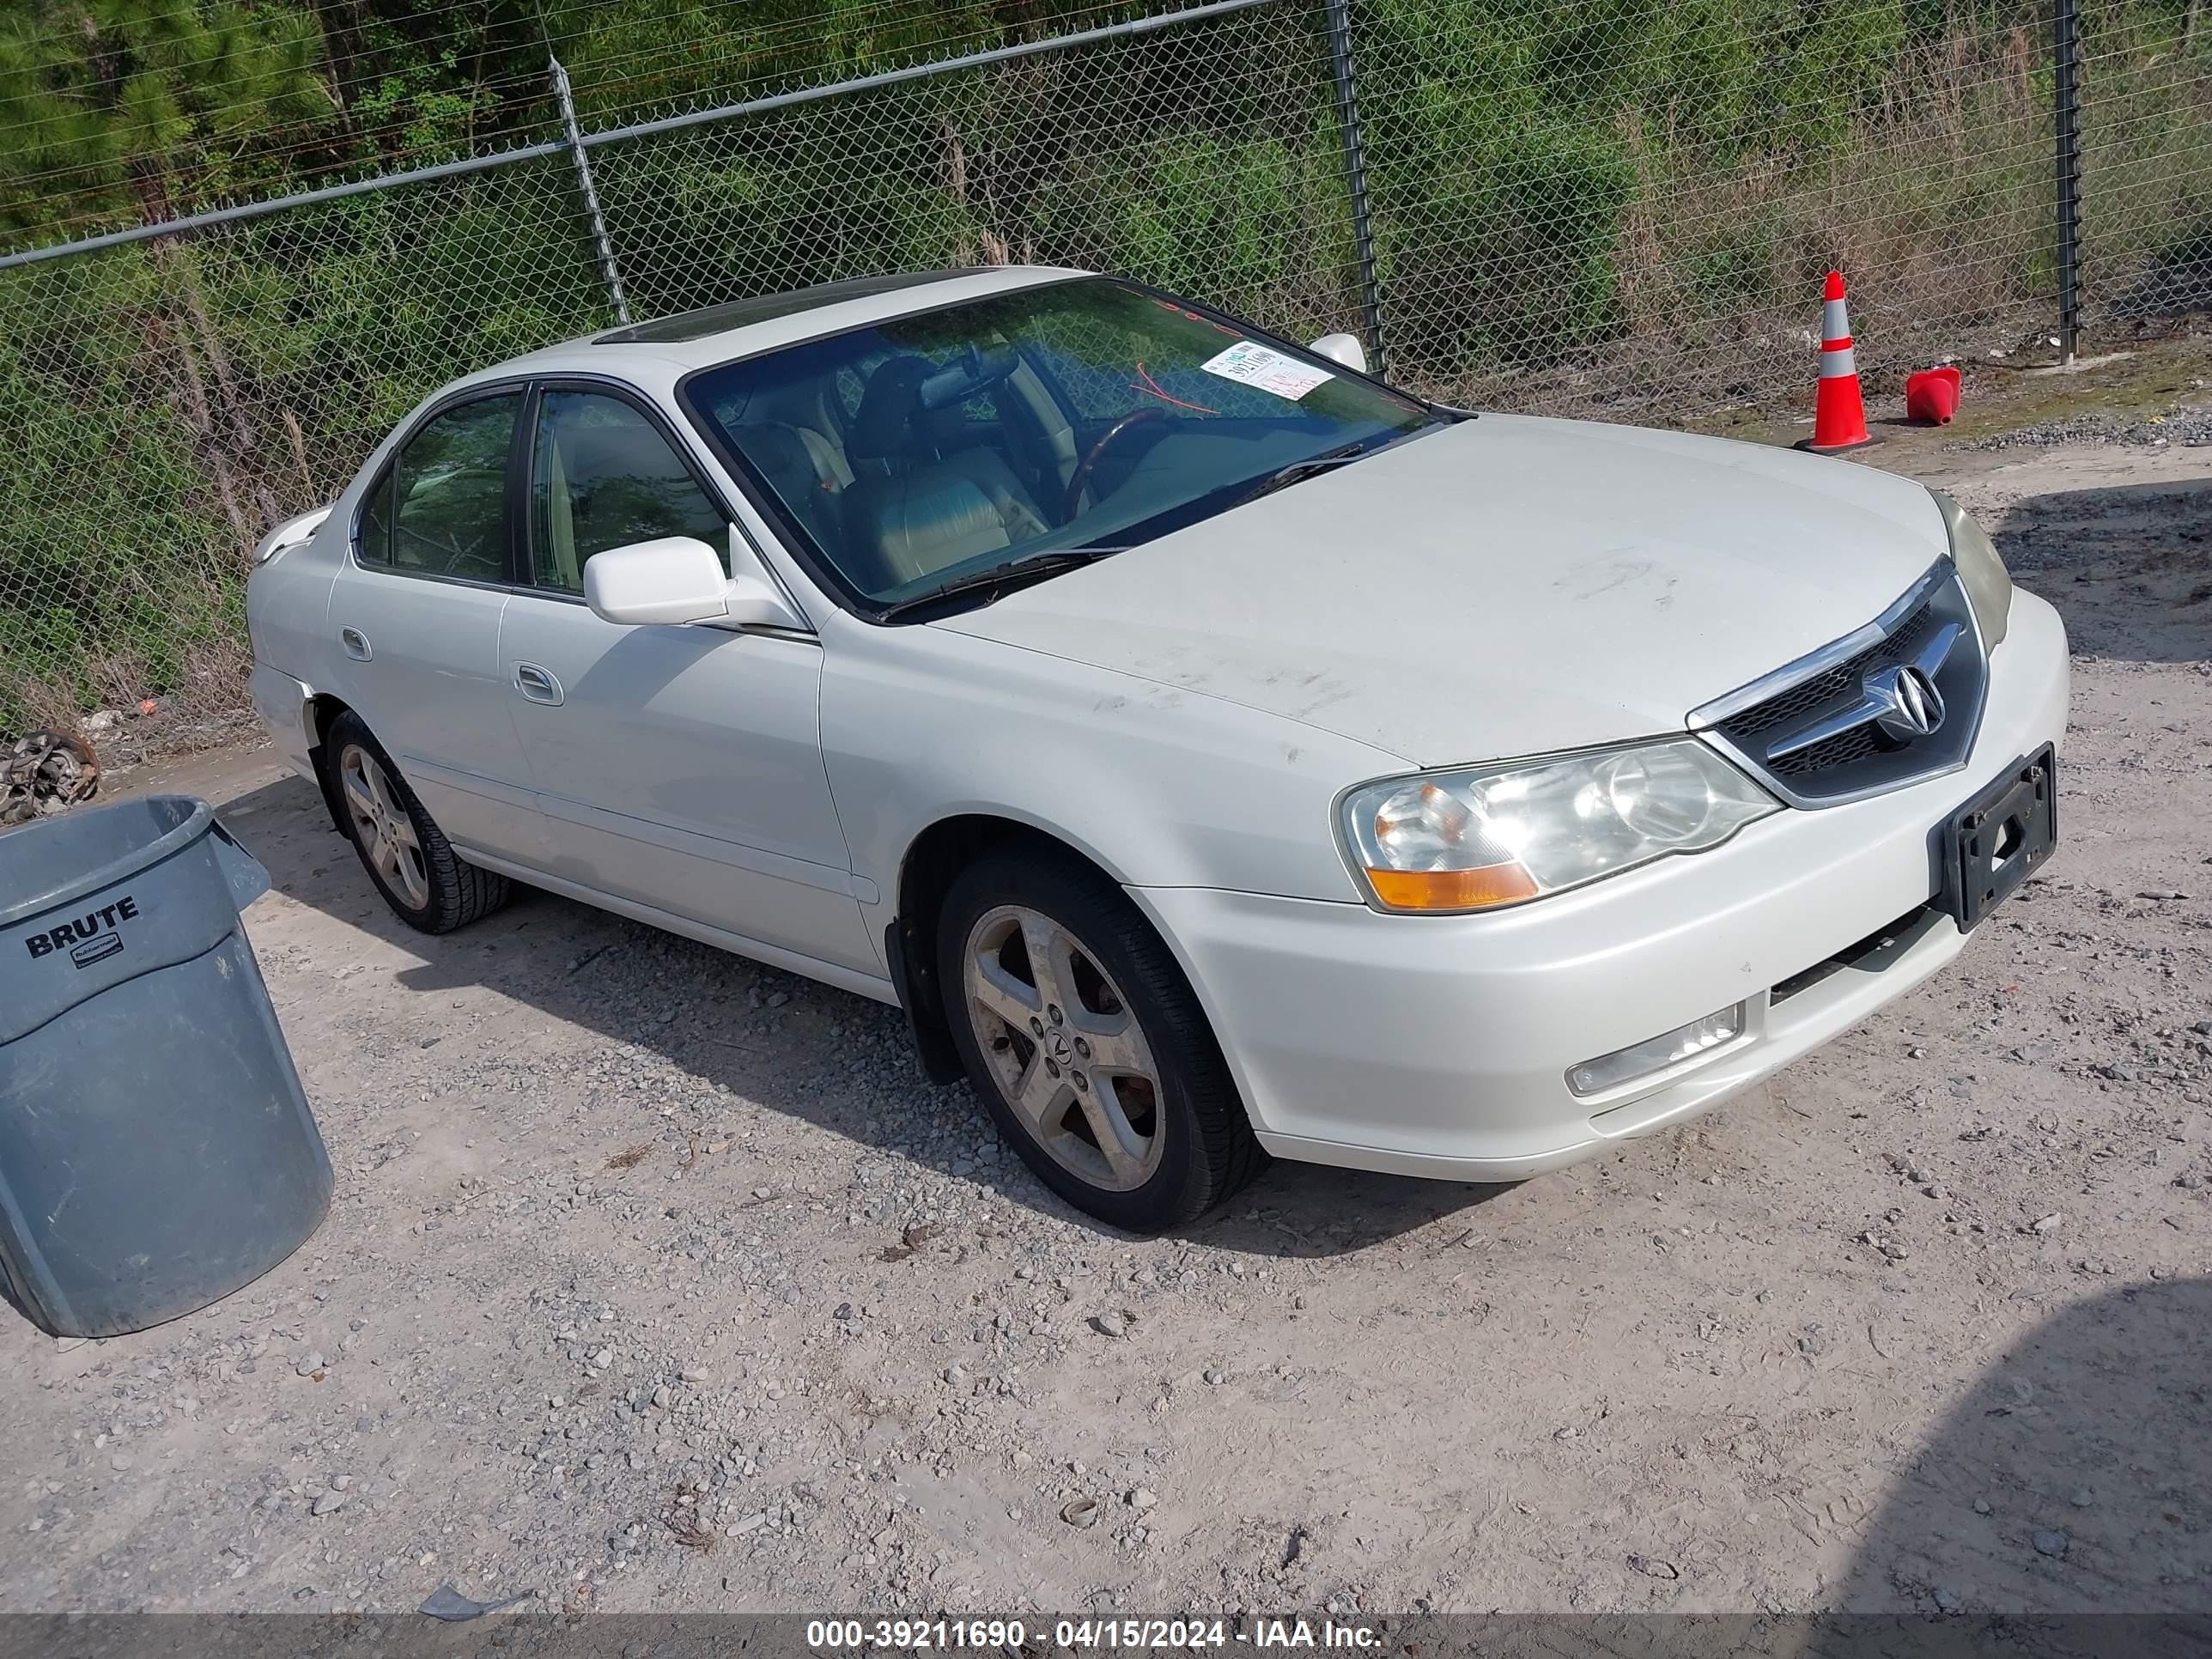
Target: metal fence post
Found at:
2066, 53
1355, 175
609, 274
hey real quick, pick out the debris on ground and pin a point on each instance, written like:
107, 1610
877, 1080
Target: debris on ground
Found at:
909, 1241
682, 1519
449, 1604
45, 773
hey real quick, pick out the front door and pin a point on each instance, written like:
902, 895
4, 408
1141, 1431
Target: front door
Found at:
678, 768
415, 615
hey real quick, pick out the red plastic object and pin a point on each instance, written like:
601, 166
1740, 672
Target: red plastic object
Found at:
1932, 395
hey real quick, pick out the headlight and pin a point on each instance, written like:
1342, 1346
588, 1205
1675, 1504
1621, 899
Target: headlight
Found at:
1981, 572
1499, 835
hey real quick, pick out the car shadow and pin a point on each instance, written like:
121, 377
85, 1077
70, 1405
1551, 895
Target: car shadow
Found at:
708, 1012
2129, 567
2070, 1478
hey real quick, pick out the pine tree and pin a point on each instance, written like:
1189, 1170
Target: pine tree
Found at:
123, 110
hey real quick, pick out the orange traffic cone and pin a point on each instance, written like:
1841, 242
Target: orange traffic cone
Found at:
1838, 412
1932, 395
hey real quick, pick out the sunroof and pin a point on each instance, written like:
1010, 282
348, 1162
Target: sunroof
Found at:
739, 314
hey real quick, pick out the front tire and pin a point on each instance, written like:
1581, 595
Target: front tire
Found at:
428, 886
1087, 1046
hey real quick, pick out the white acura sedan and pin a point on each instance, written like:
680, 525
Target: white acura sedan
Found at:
1212, 750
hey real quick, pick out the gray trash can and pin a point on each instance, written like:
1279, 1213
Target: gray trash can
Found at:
156, 1151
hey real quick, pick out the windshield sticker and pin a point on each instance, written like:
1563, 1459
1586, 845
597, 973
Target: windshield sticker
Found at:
1249, 363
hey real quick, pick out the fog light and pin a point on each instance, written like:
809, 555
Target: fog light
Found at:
1595, 1077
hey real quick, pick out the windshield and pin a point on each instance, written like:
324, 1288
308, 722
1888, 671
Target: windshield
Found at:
1090, 414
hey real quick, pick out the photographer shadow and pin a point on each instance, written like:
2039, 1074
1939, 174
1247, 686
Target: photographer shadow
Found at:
2074, 1477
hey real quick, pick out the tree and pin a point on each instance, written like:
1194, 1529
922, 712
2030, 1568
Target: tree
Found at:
143, 109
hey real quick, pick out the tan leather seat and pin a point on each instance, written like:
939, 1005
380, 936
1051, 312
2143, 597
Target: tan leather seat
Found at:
782, 455
914, 508
803, 406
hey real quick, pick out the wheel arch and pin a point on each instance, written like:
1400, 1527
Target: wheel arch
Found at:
322, 711
927, 870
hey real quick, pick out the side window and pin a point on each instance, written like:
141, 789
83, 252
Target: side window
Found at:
376, 520
440, 508
602, 476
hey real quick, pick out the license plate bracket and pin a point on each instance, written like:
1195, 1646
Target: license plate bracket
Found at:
1996, 840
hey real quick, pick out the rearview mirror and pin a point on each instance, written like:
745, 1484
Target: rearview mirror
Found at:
677, 578
1342, 349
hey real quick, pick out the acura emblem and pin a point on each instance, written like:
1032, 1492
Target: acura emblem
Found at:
1899, 700
1912, 707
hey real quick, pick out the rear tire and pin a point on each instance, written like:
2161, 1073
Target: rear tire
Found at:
1101, 1071
428, 886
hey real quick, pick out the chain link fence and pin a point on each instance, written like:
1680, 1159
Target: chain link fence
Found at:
2146, 171
168, 401
1618, 207
1202, 156
1647, 234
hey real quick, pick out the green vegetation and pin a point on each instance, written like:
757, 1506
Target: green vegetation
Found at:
1577, 203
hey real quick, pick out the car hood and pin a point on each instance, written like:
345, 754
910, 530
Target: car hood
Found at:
1506, 585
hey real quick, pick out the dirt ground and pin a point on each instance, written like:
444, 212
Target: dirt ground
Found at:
657, 1281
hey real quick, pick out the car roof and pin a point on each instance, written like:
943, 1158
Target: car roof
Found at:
666, 347
689, 325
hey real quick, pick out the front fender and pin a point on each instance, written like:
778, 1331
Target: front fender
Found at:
1159, 786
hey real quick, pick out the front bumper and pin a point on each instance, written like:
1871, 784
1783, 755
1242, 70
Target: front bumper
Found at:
1439, 1046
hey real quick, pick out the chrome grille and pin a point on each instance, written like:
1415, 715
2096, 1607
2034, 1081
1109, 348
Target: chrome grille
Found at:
1766, 725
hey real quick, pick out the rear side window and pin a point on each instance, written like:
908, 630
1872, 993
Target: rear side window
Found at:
440, 508
602, 476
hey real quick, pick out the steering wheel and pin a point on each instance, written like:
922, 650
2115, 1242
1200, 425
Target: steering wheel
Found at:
1089, 464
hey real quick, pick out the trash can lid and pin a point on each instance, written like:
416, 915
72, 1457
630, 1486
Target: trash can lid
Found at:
51, 861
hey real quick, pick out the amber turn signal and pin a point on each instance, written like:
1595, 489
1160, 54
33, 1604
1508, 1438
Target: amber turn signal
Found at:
1452, 890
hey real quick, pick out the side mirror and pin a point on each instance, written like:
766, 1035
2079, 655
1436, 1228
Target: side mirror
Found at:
677, 578
757, 598
1342, 349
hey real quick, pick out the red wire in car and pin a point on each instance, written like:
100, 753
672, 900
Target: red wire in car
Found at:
1145, 383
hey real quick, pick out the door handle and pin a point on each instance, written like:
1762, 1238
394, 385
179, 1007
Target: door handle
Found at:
537, 684
355, 643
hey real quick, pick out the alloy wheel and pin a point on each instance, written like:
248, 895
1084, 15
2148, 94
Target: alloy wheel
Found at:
386, 832
1064, 1047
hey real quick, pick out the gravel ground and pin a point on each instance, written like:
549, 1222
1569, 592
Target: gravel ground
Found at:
2184, 426
657, 1280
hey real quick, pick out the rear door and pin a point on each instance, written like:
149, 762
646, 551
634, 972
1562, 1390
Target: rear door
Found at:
678, 768
416, 611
